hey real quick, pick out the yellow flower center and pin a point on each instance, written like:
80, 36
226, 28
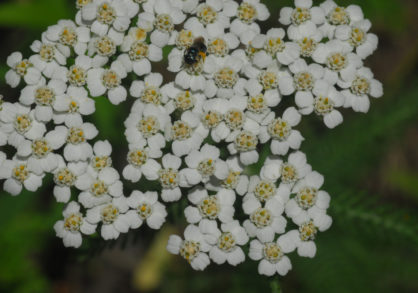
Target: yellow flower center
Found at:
206, 14
272, 252
164, 23
261, 217
360, 86
264, 190
23, 123
246, 141
65, 177
106, 14
68, 36
226, 78
40, 148
138, 51
169, 178
289, 173
218, 47
105, 46
307, 231
209, 207
268, 80
75, 135
226, 242
247, 13
189, 250
47, 52
44, 96
323, 105
20, 172
137, 157
73, 222
181, 130
77, 76
300, 15
306, 197
184, 39
109, 214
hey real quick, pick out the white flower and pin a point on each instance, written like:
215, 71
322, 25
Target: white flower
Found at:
178, 99
146, 208
73, 226
165, 18
20, 124
70, 107
358, 37
235, 179
309, 201
262, 189
218, 206
272, 46
245, 143
221, 125
101, 81
359, 89
112, 216
65, 177
101, 49
268, 81
212, 15
78, 134
226, 242
44, 96
139, 57
193, 248
140, 162
281, 133
224, 81
109, 17
168, 176
144, 126
135, 34
264, 222
149, 91
303, 238
101, 156
21, 68
339, 61
244, 26
303, 80
203, 164
303, 19
327, 98
66, 34
337, 16
187, 6
272, 255
40, 152
289, 172
99, 187
77, 73
18, 174
187, 134
48, 59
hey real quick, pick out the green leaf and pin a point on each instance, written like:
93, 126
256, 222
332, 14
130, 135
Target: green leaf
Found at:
35, 14
407, 182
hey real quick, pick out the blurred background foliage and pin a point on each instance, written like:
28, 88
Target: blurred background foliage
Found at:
370, 164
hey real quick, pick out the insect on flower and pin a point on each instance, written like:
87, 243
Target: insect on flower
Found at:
196, 52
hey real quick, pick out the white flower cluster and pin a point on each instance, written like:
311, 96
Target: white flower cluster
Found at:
196, 135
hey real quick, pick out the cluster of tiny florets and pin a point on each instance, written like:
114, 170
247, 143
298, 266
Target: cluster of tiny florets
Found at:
195, 135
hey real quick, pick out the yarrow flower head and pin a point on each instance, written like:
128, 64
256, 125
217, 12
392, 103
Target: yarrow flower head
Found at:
210, 123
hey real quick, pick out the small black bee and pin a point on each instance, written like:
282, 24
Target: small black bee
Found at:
196, 51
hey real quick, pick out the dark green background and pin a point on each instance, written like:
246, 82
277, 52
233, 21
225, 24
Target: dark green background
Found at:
370, 167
